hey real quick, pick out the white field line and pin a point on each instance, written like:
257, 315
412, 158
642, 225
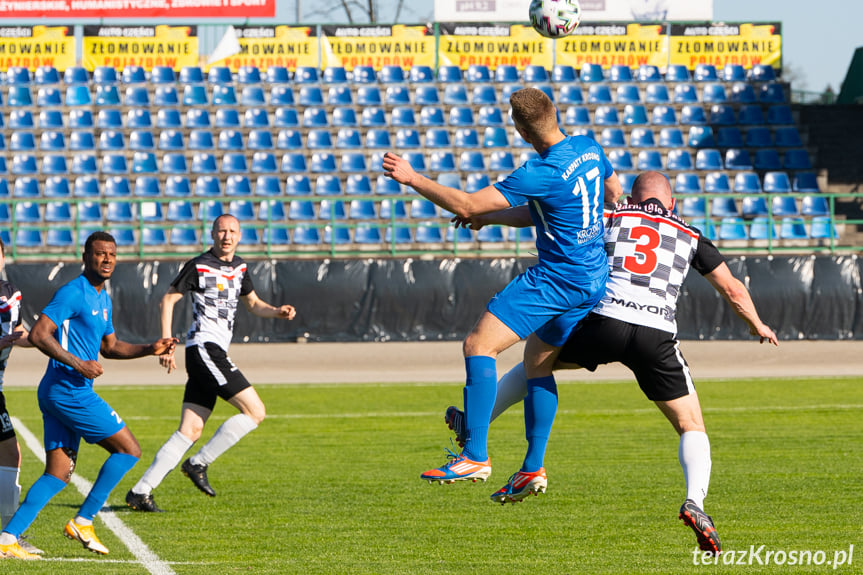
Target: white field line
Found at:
138, 548
517, 409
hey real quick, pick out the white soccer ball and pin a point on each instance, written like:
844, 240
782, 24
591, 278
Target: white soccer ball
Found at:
555, 18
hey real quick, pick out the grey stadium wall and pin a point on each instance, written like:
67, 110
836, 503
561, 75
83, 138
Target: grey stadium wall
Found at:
800, 297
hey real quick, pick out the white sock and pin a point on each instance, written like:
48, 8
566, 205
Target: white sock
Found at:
511, 389
10, 493
694, 455
228, 434
167, 458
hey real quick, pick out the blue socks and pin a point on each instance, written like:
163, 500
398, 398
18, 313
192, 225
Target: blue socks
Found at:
479, 394
113, 470
45, 488
540, 407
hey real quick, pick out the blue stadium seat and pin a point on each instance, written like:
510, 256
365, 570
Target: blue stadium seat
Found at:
793, 228
693, 115
195, 95
612, 138
599, 94
777, 182
747, 183
642, 138
377, 138
476, 181
714, 94
358, 184
121, 212
248, 75
244, 210
142, 141
259, 140
693, 207
634, 115
22, 142
705, 73
21, 120
732, 228
175, 163
339, 96
753, 206
56, 187
738, 159
577, 116
387, 186
275, 236
289, 140
649, 160
144, 163
431, 116
707, 227
766, 160
84, 164
621, 160
687, 183
426, 95
570, 94
48, 120
268, 186
779, 115
701, 137
461, 116
420, 74
197, 118
796, 159
606, 116
348, 138
501, 161
784, 206
48, 96
82, 141
591, 73
393, 209
328, 185
147, 186
455, 95
153, 237
442, 161
729, 137
762, 73
264, 163
252, 96
28, 238
238, 185
334, 75
234, 163
722, 115
114, 164
310, 96
306, 236
27, 213
107, 96
271, 210
171, 140
466, 138
563, 73
373, 117
322, 162
397, 96
362, 210
507, 73
256, 118
184, 236
821, 227
78, 75
471, 161
733, 73
663, 116
723, 206
750, 115
402, 116
787, 137
805, 182
679, 160
389, 74
708, 159
86, 187
772, 93
298, 185
332, 210
648, 73
191, 75
167, 118
21, 96
353, 162
742, 93
671, 138
677, 73
177, 187
52, 141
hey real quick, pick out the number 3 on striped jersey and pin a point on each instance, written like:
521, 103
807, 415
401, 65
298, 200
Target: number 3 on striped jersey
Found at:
645, 261
590, 208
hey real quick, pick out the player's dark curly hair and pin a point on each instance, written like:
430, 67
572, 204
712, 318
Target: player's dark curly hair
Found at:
98, 237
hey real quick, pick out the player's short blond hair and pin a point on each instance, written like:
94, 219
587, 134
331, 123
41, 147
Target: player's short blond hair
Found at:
533, 112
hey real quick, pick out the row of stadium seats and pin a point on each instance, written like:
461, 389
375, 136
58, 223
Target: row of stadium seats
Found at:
346, 162
369, 117
76, 75
22, 96
209, 186
379, 236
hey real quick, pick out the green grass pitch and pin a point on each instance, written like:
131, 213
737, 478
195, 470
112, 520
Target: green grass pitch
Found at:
330, 484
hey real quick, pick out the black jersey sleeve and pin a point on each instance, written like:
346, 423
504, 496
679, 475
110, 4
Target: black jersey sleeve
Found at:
187, 279
707, 257
247, 287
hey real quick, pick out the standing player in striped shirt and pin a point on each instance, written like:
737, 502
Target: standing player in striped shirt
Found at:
218, 280
563, 189
650, 251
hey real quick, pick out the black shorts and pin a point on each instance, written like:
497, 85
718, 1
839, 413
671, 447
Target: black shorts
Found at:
6, 429
212, 374
653, 355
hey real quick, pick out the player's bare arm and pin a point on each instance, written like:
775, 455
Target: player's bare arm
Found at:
613, 189
166, 306
42, 337
465, 205
113, 348
736, 294
261, 308
517, 217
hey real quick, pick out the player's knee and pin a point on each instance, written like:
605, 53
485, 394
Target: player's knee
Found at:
257, 414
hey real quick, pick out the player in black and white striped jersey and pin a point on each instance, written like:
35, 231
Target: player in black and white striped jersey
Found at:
217, 280
650, 251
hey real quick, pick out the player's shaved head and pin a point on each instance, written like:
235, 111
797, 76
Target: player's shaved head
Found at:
652, 185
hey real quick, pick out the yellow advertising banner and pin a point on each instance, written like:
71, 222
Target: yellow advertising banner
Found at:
145, 46
377, 46
614, 43
268, 46
721, 43
493, 45
34, 46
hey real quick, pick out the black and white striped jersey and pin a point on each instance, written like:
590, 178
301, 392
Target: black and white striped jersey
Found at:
650, 251
216, 287
10, 318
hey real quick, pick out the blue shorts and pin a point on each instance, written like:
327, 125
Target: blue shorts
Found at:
546, 301
71, 412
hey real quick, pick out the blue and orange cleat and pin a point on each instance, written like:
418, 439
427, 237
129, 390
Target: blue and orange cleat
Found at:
459, 468
520, 485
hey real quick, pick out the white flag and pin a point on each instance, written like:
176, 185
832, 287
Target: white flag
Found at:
228, 46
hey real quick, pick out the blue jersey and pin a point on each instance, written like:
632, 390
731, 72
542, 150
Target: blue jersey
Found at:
83, 317
565, 189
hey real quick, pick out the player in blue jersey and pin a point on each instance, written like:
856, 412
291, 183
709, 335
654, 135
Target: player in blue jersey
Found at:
72, 330
564, 188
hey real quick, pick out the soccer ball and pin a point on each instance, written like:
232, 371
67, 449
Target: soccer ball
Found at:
555, 18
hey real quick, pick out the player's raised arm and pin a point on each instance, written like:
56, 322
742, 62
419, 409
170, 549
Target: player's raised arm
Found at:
262, 309
736, 294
